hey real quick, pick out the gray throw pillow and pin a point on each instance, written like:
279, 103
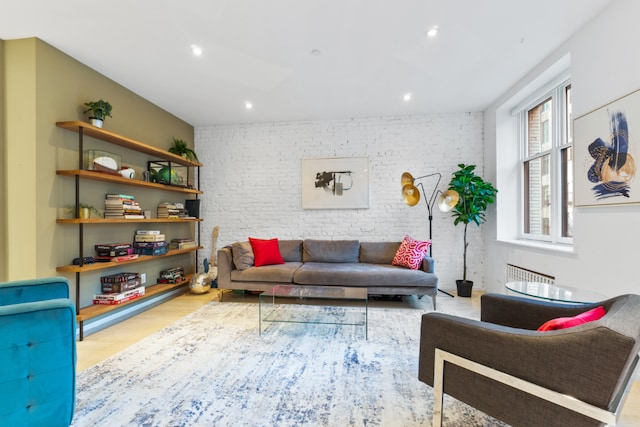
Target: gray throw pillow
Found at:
242, 255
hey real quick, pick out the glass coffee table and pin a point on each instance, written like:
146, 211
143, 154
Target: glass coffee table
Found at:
281, 305
549, 292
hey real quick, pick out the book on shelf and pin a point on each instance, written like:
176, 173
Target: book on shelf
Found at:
105, 302
119, 296
119, 277
184, 243
153, 251
119, 196
119, 287
119, 258
130, 216
149, 238
111, 246
147, 231
116, 252
139, 245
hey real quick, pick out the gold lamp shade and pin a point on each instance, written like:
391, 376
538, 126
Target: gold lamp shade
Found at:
407, 178
448, 200
410, 194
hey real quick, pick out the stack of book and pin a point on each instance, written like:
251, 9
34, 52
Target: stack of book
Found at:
119, 288
172, 210
106, 252
150, 242
182, 243
118, 206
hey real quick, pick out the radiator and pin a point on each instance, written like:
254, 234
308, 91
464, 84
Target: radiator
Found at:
520, 274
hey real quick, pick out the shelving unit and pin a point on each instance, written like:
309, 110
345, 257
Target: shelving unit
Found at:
79, 174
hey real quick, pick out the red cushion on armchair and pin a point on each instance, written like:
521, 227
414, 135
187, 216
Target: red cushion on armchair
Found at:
568, 322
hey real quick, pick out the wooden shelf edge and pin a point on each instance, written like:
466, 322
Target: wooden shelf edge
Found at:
96, 310
105, 177
123, 141
121, 221
104, 265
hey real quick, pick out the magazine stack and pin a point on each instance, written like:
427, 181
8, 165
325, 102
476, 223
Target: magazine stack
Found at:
119, 206
150, 242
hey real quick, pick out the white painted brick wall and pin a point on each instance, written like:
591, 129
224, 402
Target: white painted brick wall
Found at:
252, 181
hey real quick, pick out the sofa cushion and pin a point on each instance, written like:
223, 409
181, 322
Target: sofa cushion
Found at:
378, 252
278, 273
265, 252
242, 255
291, 250
411, 253
330, 251
361, 275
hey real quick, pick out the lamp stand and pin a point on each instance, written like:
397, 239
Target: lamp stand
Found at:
430, 202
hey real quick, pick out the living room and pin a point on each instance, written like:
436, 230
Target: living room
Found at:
251, 176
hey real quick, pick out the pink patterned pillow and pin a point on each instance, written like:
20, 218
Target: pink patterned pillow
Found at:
411, 252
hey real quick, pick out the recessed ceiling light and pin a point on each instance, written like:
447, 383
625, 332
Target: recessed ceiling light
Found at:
197, 50
316, 52
433, 31
407, 96
248, 105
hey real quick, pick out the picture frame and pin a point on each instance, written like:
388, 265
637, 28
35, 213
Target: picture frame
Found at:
335, 183
606, 154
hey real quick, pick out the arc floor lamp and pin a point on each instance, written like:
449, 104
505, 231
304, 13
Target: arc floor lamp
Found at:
411, 196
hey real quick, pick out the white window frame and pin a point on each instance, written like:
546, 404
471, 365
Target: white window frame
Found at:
559, 132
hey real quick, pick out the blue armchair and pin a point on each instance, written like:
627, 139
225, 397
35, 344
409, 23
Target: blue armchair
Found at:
37, 353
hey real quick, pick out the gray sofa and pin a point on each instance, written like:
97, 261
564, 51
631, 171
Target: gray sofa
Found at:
310, 262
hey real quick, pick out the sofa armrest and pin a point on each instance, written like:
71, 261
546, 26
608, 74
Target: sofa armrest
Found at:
428, 264
23, 291
555, 360
225, 265
525, 313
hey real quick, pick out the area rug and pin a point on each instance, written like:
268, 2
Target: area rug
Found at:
213, 368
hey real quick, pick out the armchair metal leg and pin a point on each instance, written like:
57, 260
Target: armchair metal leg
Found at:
552, 396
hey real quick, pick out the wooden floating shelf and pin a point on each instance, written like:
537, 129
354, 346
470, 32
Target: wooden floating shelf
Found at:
104, 265
123, 221
105, 177
123, 141
100, 309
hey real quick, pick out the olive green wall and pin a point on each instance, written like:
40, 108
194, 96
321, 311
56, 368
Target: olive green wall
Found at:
43, 86
3, 206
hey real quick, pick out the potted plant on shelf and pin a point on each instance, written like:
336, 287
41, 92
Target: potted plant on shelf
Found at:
100, 110
475, 196
182, 149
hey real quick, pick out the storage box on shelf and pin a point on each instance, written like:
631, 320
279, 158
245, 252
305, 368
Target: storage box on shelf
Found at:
85, 129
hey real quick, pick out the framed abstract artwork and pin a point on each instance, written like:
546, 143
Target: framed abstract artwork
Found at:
606, 153
335, 183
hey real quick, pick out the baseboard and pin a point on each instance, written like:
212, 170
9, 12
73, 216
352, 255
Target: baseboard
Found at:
116, 316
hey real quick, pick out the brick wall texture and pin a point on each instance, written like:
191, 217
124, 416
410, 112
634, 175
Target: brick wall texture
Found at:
252, 182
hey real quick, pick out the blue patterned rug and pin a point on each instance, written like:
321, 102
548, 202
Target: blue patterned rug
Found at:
212, 368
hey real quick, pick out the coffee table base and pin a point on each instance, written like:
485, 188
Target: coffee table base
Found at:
283, 304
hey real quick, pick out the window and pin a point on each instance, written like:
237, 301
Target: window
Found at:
547, 167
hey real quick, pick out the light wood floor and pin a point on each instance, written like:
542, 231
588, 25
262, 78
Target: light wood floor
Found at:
103, 344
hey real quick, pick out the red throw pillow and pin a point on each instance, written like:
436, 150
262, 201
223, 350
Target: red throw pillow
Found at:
265, 252
568, 322
411, 253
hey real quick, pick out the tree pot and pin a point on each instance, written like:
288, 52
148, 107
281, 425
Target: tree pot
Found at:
464, 287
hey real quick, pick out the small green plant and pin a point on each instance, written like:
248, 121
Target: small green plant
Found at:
475, 196
100, 109
182, 149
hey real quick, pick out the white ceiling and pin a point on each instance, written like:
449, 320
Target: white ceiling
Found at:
372, 51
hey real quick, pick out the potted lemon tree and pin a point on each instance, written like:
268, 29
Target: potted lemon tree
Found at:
475, 196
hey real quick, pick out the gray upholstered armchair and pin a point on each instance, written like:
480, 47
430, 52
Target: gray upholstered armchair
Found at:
37, 353
593, 363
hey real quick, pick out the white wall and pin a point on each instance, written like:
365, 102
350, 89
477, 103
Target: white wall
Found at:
604, 66
252, 181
